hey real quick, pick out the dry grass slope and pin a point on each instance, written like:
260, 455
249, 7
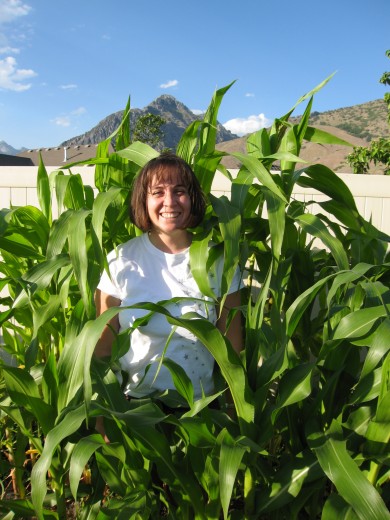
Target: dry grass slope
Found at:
357, 125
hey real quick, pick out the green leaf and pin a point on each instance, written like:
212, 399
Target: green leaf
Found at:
229, 220
315, 227
181, 381
288, 481
323, 179
300, 304
75, 360
100, 205
316, 135
43, 190
379, 345
24, 392
188, 142
77, 237
199, 250
259, 171
277, 223
294, 386
208, 131
336, 507
359, 323
84, 449
40, 277
350, 482
138, 153
155, 445
205, 168
74, 194
123, 136
229, 462
69, 424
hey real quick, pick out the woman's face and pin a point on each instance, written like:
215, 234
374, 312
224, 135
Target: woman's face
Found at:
168, 203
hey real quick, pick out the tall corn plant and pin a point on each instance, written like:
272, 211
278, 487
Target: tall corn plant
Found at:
311, 428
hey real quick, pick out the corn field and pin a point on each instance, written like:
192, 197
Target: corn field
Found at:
309, 434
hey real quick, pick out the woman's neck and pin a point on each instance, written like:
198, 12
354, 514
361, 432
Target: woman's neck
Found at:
171, 244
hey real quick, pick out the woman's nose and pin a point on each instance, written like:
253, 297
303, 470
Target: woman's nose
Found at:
168, 198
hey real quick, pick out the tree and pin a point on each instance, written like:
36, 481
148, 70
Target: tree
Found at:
148, 129
379, 150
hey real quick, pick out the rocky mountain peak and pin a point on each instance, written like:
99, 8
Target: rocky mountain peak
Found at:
177, 116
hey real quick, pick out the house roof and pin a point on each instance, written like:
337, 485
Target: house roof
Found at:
61, 155
13, 160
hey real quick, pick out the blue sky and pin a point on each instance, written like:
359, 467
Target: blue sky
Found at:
65, 65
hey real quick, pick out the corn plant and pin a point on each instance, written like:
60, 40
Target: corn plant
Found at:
309, 435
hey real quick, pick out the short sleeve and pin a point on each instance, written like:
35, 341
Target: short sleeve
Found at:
108, 285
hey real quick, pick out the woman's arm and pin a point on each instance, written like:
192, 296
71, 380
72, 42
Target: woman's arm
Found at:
234, 330
103, 347
234, 334
103, 302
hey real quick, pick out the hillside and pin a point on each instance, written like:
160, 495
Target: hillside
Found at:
357, 125
367, 121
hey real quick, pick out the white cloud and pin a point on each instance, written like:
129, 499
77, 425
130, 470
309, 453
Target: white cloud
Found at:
9, 50
241, 126
197, 112
70, 86
66, 120
249, 94
79, 111
11, 78
169, 84
62, 121
10, 10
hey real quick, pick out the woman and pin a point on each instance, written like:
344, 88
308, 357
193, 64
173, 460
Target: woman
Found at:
166, 201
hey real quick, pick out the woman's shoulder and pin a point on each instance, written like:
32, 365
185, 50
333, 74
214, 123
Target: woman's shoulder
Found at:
127, 247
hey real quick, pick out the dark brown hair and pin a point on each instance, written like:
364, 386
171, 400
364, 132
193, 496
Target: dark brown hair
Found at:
162, 167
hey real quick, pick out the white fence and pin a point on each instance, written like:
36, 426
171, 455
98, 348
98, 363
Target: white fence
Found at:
371, 192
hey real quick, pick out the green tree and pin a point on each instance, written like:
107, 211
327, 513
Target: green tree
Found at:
379, 150
148, 129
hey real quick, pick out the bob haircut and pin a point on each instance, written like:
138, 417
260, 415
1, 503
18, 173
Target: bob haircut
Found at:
161, 168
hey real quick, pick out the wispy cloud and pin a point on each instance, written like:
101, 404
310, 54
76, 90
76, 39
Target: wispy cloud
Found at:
169, 84
10, 10
70, 86
12, 78
242, 126
9, 50
66, 120
62, 121
249, 94
197, 112
79, 111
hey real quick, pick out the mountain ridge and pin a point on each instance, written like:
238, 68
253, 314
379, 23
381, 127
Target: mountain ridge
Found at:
177, 116
357, 124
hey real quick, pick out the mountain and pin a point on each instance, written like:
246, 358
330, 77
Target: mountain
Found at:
358, 125
7, 149
175, 113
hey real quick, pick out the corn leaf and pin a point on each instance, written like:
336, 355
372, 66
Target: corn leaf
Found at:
229, 462
350, 482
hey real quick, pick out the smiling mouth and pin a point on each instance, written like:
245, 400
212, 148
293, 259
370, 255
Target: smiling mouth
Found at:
170, 215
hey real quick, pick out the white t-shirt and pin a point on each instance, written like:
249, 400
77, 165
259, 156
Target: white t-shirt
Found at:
142, 273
